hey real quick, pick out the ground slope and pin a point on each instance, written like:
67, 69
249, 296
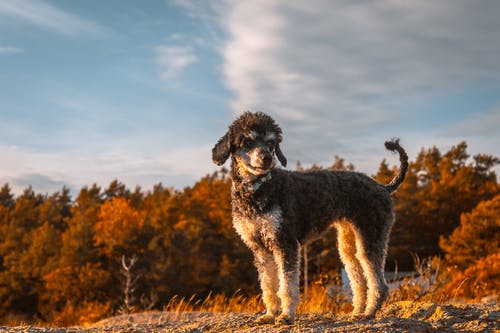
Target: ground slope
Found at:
398, 317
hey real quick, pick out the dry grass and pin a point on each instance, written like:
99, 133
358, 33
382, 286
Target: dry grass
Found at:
320, 299
323, 298
420, 286
215, 303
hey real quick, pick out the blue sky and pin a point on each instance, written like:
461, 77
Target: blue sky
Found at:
139, 91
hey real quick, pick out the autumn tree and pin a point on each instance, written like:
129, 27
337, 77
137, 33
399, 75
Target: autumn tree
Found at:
474, 282
6, 197
160, 208
477, 236
118, 228
79, 281
472, 254
6, 204
216, 256
18, 291
438, 188
116, 189
43, 252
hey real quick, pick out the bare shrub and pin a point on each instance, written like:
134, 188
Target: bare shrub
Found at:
129, 285
420, 285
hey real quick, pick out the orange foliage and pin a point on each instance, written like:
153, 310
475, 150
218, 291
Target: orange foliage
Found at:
477, 281
77, 284
477, 236
117, 225
85, 313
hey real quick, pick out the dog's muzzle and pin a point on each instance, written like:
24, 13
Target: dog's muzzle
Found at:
261, 159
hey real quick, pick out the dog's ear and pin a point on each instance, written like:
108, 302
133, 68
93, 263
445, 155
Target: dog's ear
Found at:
280, 156
221, 150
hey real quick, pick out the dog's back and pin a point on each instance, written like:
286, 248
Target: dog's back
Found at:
314, 200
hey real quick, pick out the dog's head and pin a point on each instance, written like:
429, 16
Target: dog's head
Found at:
253, 139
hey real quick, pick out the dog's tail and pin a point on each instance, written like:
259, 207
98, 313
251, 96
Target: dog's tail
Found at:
393, 146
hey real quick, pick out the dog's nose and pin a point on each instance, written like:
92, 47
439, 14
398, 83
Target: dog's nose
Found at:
266, 159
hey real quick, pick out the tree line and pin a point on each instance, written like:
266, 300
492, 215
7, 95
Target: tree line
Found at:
65, 260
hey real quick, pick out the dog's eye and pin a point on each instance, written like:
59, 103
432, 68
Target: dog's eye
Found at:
270, 144
247, 143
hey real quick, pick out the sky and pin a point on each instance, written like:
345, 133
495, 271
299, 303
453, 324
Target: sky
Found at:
140, 91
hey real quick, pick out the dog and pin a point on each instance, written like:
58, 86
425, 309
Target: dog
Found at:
275, 210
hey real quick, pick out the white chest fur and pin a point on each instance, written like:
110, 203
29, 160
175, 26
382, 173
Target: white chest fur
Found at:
261, 229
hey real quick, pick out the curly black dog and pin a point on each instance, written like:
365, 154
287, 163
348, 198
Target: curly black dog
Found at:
275, 210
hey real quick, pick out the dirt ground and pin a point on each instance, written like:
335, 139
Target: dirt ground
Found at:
398, 317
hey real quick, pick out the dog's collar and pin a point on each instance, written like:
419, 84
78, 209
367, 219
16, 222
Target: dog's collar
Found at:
253, 187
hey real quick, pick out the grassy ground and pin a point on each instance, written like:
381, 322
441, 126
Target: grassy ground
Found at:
403, 316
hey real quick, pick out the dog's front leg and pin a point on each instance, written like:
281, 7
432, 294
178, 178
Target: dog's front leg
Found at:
287, 260
269, 283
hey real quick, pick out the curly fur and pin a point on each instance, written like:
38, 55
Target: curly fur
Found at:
288, 208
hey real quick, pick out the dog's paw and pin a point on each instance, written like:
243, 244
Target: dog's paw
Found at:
284, 319
356, 316
369, 315
265, 319
361, 316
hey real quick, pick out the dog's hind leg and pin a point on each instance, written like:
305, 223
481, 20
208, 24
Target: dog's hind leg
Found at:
347, 250
269, 283
287, 261
372, 255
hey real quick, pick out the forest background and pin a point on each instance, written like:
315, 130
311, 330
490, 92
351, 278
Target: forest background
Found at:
67, 261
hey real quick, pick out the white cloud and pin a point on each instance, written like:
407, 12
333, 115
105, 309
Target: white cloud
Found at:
304, 56
194, 8
340, 74
38, 182
207, 17
174, 59
47, 16
49, 171
7, 50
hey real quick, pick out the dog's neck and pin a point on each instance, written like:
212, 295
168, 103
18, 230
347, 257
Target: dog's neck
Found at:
247, 183
253, 186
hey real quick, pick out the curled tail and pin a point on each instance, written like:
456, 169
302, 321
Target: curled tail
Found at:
393, 146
